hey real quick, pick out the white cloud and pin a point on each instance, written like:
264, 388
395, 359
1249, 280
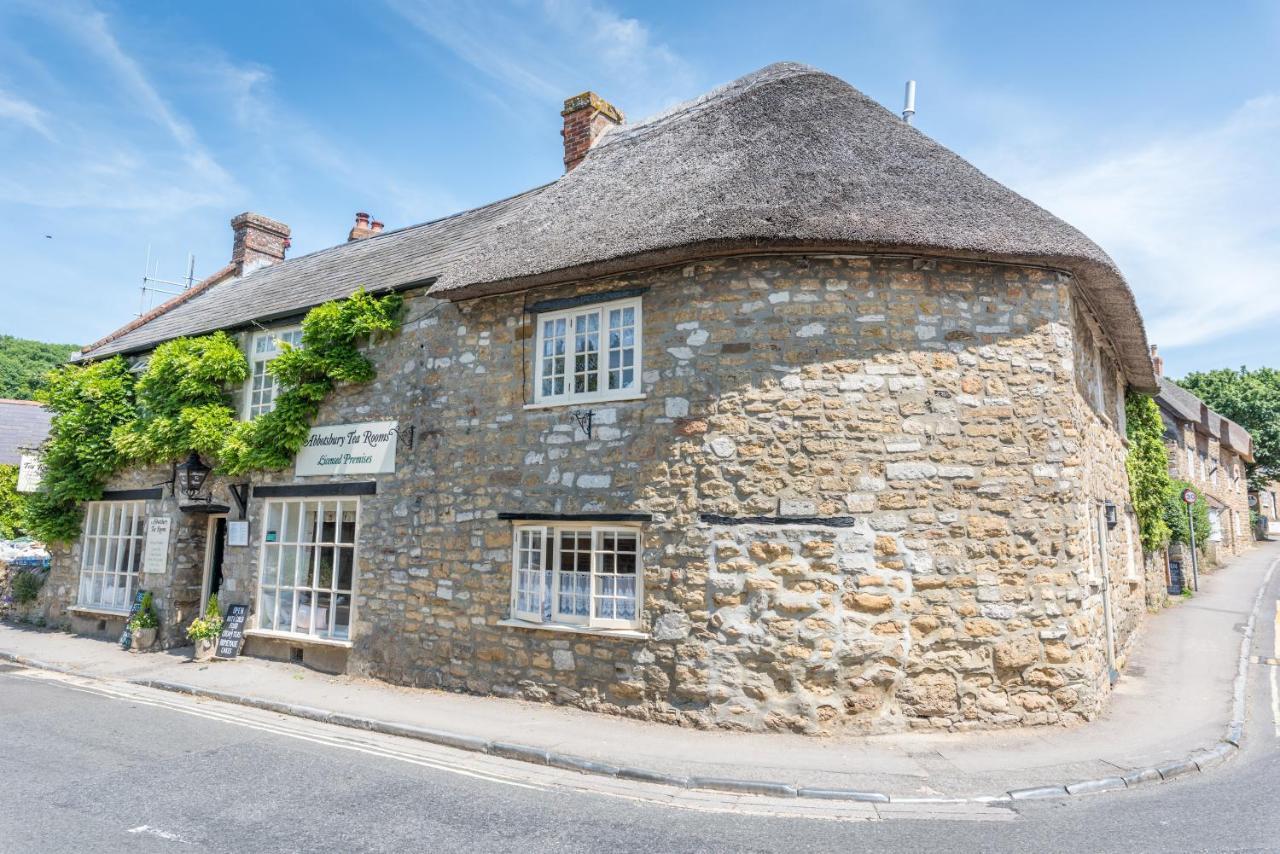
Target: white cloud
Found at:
24, 113
1190, 218
556, 48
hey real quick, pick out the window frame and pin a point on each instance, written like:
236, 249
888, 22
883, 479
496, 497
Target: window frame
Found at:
322, 501
255, 359
550, 575
105, 542
603, 392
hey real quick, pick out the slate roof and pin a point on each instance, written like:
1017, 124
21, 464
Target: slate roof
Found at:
1185, 406
24, 424
786, 158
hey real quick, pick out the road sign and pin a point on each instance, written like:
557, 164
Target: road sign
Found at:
1189, 496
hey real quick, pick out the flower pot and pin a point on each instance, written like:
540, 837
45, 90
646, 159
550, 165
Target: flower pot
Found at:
205, 648
143, 639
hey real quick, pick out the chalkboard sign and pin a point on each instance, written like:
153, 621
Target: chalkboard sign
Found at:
1175, 578
126, 639
232, 632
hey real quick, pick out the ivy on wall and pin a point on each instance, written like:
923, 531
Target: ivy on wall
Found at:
1148, 465
88, 403
12, 503
104, 420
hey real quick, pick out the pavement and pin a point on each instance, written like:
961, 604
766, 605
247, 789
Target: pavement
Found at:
1181, 694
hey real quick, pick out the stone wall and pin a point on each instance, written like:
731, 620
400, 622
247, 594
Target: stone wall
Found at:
919, 424
1219, 473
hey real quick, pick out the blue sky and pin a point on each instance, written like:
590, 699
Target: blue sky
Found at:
1155, 127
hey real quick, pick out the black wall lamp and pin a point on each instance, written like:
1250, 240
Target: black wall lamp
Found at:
190, 476
1109, 508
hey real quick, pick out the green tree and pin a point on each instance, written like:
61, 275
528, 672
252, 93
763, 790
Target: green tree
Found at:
1148, 465
1175, 516
12, 504
24, 363
1251, 398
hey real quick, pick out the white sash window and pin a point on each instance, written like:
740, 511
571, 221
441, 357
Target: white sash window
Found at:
588, 354
261, 389
111, 553
581, 575
308, 567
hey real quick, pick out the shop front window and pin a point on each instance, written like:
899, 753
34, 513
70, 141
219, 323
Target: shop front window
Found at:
581, 575
308, 571
111, 553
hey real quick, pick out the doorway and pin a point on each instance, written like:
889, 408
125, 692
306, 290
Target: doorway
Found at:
215, 550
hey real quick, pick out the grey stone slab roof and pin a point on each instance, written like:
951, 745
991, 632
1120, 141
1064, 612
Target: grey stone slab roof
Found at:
787, 158
1185, 406
23, 425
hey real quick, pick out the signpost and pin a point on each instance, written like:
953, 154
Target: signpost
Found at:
232, 632
1189, 498
126, 638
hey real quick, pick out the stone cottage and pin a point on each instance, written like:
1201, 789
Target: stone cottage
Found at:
771, 413
1209, 451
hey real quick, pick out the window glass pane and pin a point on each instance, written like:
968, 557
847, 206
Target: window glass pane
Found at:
342, 616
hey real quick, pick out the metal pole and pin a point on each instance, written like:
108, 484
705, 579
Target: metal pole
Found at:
1195, 563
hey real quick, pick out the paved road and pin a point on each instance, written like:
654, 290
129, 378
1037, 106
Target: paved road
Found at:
85, 768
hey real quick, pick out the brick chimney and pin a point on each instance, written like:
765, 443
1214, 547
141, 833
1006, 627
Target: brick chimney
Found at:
1157, 362
259, 241
586, 118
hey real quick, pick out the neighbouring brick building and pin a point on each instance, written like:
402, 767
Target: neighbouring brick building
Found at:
1209, 451
771, 413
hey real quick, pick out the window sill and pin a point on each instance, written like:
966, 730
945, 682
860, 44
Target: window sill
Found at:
98, 612
295, 638
553, 404
624, 634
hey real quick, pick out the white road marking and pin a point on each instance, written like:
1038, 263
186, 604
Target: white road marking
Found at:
496, 769
155, 831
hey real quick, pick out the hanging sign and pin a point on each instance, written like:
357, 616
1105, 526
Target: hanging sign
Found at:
368, 448
126, 638
155, 555
232, 632
30, 472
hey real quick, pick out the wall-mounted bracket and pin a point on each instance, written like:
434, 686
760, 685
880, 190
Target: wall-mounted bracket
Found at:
240, 494
584, 417
406, 434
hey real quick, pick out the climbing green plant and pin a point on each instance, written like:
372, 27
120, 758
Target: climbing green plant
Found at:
330, 354
104, 420
1175, 515
12, 503
1148, 465
88, 403
183, 401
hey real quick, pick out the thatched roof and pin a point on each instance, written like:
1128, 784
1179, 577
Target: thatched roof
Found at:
786, 158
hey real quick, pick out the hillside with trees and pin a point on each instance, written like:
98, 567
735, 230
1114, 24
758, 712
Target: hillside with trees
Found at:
23, 364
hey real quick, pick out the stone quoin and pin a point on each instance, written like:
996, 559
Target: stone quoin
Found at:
770, 414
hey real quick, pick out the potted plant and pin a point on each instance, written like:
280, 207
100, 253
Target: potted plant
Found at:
144, 625
203, 631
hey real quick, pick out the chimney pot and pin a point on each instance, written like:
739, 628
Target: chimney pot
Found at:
257, 241
376, 227
1157, 362
586, 118
361, 229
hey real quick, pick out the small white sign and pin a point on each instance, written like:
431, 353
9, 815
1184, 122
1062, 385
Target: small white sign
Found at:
30, 472
237, 533
368, 448
155, 555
